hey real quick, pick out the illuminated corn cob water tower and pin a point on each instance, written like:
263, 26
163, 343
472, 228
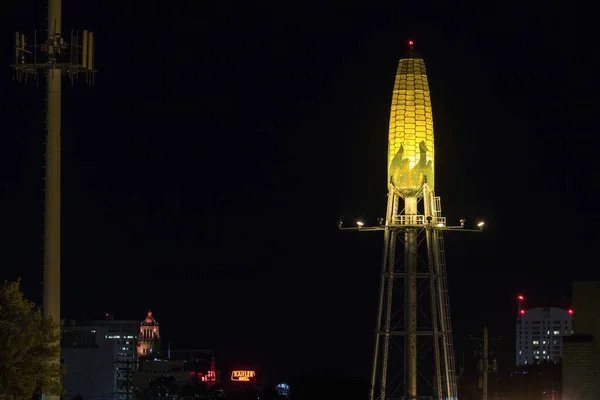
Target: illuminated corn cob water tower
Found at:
53, 57
413, 356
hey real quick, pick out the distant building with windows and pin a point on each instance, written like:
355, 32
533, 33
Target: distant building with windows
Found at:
100, 357
539, 334
149, 338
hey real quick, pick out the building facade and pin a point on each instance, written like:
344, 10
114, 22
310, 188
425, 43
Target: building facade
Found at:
581, 359
101, 357
88, 357
539, 334
149, 338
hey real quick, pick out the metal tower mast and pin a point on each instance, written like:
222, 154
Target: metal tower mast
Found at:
413, 315
55, 58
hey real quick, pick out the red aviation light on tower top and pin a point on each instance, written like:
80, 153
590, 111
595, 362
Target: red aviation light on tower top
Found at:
520, 297
411, 43
570, 311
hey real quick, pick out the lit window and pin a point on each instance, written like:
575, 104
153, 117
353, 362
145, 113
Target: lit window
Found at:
556, 332
536, 342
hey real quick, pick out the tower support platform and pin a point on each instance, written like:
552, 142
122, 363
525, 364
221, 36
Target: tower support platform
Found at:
413, 356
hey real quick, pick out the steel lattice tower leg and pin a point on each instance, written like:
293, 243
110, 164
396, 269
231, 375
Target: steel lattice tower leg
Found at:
424, 326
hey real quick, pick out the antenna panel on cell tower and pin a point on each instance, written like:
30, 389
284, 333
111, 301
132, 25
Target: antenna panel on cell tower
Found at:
32, 58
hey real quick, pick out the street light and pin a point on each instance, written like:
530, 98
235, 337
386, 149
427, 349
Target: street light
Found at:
360, 224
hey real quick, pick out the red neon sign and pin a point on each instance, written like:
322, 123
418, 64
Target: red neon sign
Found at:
242, 376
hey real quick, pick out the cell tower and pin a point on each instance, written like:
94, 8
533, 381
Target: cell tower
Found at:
53, 57
413, 356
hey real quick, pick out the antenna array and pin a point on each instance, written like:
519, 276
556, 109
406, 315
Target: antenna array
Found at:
75, 59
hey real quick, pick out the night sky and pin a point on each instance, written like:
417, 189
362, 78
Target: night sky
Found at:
204, 173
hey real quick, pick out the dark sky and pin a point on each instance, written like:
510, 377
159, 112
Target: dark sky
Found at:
204, 172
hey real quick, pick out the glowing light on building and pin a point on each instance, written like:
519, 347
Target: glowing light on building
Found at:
570, 311
411, 151
520, 297
210, 377
522, 312
242, 376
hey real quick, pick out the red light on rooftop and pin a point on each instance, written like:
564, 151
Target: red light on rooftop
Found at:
411, 43
570, 311
521, 297
107, 314
522, 312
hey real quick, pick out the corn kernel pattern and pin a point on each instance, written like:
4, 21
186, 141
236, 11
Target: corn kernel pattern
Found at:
411, 146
